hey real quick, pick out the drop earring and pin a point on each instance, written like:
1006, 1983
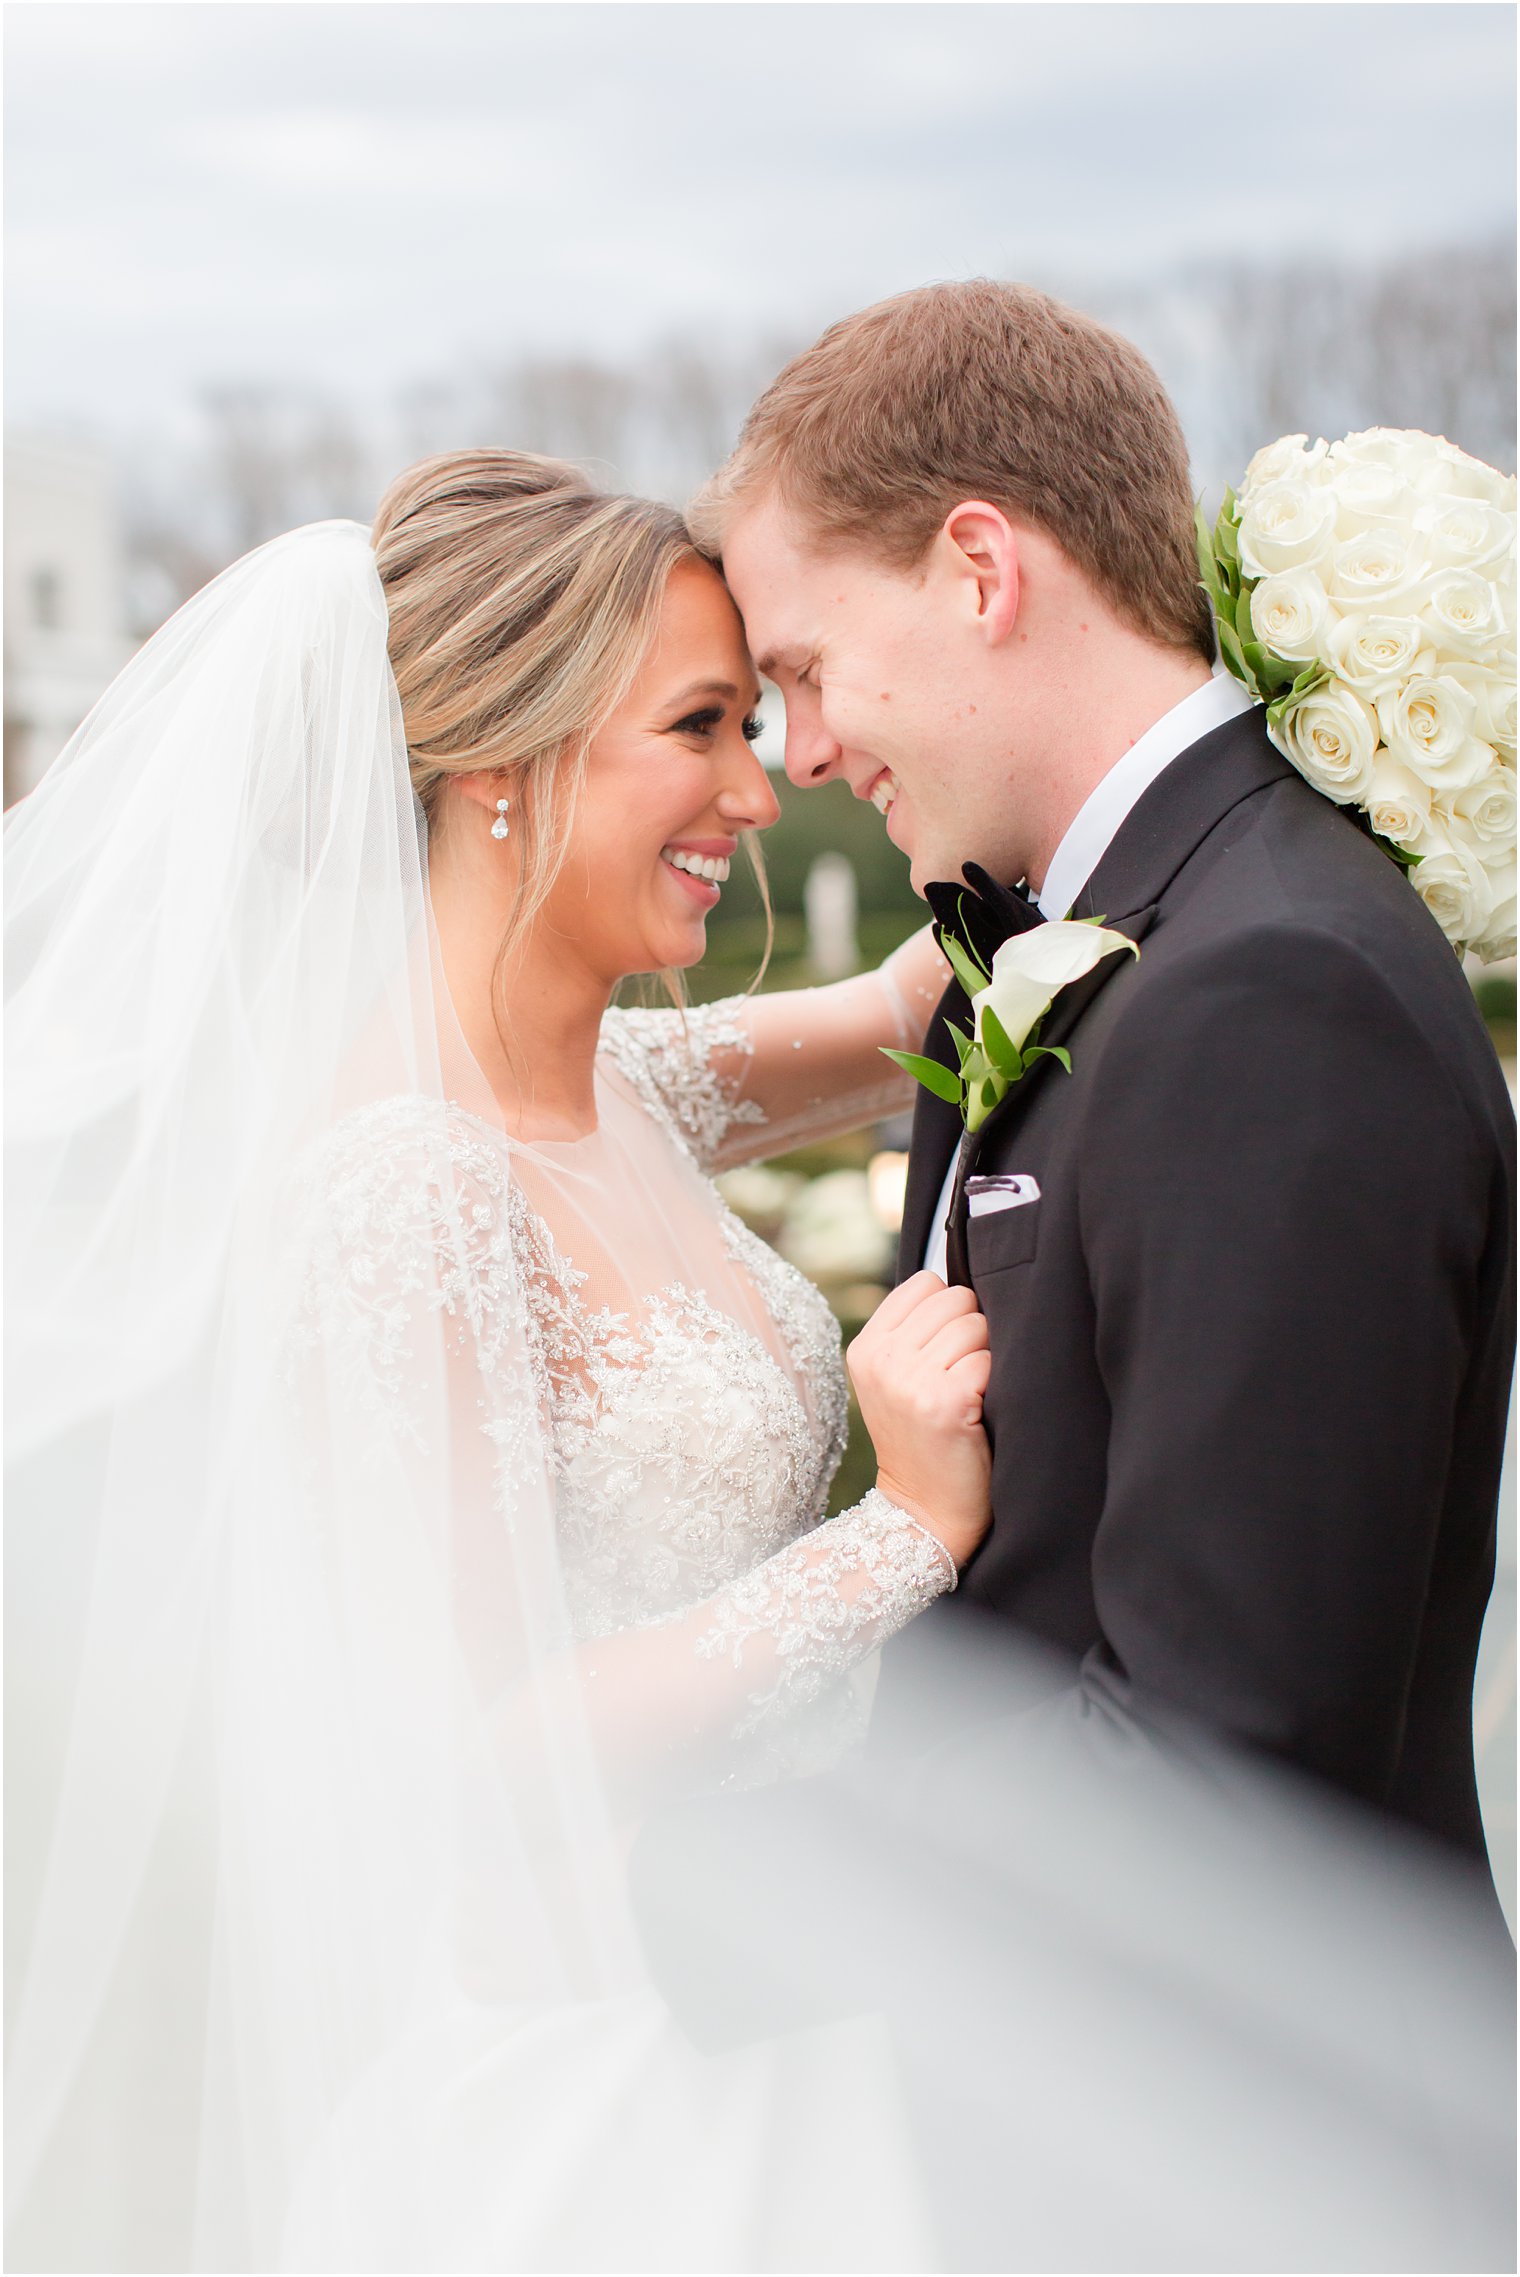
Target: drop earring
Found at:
501, 828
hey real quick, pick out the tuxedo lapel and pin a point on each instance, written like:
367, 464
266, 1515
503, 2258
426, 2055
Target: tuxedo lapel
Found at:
1059, 1023
1162, 832
936, 1134
984, 914
1188, 799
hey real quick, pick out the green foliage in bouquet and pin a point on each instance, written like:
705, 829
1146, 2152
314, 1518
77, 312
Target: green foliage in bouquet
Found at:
1275, 683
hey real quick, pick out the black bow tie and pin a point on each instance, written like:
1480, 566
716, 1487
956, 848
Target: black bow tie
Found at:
981, 914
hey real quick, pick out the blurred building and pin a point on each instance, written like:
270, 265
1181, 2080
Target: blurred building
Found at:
65, 599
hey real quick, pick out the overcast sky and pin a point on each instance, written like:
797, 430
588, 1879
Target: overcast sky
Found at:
365, 195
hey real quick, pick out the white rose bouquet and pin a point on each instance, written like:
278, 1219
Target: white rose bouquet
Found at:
1364, 591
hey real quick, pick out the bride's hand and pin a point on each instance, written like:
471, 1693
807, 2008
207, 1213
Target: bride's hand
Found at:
920, 1367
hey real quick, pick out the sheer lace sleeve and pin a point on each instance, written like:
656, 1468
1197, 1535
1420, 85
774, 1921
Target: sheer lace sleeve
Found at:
811, 1612
754, 1075
672, 1697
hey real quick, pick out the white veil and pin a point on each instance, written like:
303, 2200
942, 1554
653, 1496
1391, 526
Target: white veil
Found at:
252, 1759
303, 1828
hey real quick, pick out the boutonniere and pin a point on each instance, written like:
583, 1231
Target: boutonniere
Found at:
1008, 1007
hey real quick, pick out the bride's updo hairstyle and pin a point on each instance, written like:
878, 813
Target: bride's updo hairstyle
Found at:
523, 602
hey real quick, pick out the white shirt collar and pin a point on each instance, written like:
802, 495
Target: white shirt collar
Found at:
1096, 824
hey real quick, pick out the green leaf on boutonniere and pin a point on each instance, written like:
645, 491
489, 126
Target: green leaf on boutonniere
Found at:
964, 966
930, 1074
1050, 1051
1000, 1047
964, 1045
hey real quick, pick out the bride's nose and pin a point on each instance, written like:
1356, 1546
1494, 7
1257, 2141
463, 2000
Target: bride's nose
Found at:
747, 799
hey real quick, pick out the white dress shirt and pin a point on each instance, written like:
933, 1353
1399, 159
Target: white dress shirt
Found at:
1093, 830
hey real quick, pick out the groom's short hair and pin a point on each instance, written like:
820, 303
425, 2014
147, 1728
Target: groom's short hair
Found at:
980, 390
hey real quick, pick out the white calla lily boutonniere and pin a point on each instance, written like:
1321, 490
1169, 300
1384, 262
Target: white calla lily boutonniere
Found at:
1008, 1006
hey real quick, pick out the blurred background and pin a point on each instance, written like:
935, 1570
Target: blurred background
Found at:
261, 257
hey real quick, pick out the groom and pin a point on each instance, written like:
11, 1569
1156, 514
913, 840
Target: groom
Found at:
1248, 1271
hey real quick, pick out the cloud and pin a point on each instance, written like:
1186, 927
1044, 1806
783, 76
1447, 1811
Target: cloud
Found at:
363, 194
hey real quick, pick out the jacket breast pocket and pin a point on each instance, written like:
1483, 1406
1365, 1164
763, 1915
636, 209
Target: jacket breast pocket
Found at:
1002, 1239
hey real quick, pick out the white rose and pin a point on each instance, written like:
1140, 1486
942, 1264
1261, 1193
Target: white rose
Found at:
1465, 477
1464, 533
1398, 803
1290, 615
1496, 710
1428, 724
1462, 609
1330, 737
1368, 496
1454, 887
1371, 570
1286, 525
1290, 458
1499, 932
1373, 653
1488, 808
1029, 970
1405, 449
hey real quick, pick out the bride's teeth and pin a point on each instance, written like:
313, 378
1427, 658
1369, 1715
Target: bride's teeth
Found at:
712, 867
883, 793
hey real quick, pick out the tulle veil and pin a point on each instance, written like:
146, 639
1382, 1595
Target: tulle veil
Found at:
261, 1803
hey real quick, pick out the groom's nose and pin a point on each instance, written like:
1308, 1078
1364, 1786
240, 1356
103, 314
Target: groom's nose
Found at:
812, 755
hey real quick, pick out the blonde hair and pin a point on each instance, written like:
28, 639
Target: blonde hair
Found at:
980, 390
523, 603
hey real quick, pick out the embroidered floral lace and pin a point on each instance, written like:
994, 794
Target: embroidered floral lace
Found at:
599, 1299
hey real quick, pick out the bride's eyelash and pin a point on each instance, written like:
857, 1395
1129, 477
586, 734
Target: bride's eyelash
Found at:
703, 723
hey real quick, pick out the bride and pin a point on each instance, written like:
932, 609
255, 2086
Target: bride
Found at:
415, 1467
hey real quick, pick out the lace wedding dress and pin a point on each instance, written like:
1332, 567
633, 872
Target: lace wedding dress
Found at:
689, 1381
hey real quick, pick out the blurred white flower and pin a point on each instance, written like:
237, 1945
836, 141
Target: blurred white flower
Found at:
1286, 525
760, 1195
833, 1234
1290, 615
1331, 737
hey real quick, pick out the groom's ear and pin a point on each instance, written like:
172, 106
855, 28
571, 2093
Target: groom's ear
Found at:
980, 554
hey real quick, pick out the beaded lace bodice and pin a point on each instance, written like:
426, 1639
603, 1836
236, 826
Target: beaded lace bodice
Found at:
685, 1383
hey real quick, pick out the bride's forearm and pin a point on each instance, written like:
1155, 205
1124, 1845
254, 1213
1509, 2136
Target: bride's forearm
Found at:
816, 1065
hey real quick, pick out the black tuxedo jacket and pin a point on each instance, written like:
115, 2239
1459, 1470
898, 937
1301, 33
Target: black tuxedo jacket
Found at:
1252, 1346
1252, 1350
